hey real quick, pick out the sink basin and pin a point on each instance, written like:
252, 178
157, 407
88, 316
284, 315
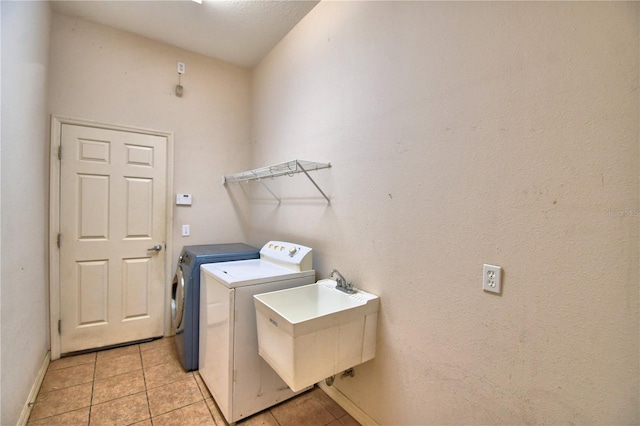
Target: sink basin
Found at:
309, 333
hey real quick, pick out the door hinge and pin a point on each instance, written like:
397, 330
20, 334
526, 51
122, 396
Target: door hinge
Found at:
58, 240
59, 326
235, 375
60, 152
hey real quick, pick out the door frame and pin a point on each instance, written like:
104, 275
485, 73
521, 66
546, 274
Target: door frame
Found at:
54, 219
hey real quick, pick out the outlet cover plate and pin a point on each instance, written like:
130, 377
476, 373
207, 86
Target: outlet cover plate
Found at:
492, 278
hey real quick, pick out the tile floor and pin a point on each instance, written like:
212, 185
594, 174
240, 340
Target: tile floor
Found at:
145, 385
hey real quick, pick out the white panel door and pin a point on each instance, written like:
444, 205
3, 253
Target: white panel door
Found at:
112, 216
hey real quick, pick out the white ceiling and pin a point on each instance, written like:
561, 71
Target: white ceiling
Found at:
240, 32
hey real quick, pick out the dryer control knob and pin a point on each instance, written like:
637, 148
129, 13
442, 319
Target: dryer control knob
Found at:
292, 251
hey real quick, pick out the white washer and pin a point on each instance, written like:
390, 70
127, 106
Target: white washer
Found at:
241, 382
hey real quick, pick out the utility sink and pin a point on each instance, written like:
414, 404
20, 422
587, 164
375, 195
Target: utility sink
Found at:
312, 332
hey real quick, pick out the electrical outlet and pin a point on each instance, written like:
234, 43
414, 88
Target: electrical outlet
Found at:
185, 230
181, 68
492, 278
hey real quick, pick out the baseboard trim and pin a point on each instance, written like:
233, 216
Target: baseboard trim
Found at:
348, 406
28, 406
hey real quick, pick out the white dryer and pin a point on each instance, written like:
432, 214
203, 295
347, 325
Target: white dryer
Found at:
241, 382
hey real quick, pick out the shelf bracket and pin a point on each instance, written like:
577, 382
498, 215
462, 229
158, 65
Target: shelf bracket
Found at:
270, 191
313, 182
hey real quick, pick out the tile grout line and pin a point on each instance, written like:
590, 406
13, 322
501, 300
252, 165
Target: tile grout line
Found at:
275, 418
146, 388
215, 406
93, 385
211, 413
204, 398
184, 406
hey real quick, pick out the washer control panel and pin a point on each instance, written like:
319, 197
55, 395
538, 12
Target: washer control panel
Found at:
293, 256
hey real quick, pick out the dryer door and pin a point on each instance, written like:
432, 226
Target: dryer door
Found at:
177, 299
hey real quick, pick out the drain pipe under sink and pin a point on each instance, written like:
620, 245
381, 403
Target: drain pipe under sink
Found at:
346, 373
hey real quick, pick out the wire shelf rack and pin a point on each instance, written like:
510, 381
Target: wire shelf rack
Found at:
288, 168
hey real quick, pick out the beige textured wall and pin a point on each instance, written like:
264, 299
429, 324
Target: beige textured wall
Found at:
106, 75
24, 323
463, 134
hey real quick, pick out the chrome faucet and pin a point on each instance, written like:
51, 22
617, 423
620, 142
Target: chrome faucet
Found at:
342, 284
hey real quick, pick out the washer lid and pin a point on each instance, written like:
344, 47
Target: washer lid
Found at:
250, 272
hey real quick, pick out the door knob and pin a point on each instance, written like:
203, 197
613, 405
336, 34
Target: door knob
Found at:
157, 247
